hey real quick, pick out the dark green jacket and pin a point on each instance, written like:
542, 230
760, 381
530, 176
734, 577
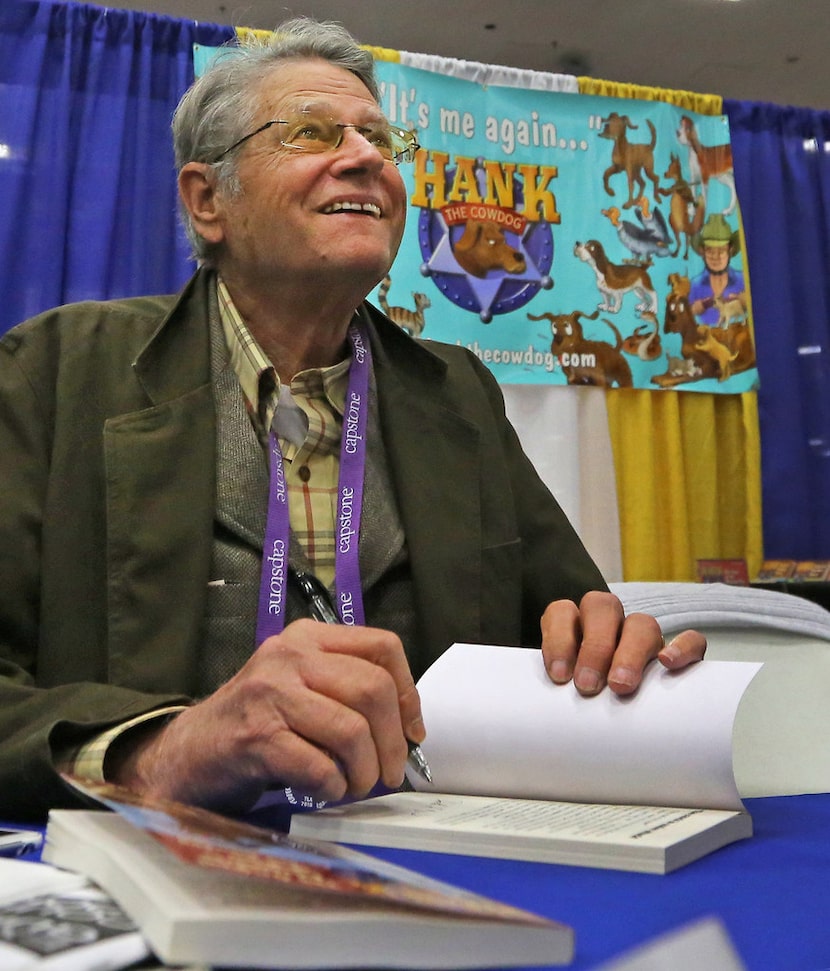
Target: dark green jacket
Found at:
107, 466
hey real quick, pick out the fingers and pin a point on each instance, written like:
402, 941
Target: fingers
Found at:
324, 709
383, 649
640, 642
596, 644
561, 638
348, 692
349, 708
683, 649
579, 642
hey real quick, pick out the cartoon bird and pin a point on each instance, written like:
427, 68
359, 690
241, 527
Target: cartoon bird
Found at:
640, 240
655, 223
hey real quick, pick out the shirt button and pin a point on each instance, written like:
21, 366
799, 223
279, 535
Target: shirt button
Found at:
304, 473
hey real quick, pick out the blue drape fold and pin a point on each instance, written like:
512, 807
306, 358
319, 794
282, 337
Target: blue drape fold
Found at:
782, 173
87, 181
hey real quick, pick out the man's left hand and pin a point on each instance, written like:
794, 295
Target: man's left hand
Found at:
596, 644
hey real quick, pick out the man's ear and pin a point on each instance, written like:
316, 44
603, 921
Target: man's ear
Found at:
199, 195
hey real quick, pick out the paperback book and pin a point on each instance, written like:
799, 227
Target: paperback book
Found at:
528, 770
206, 889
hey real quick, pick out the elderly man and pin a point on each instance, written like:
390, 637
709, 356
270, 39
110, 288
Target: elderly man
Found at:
154, 447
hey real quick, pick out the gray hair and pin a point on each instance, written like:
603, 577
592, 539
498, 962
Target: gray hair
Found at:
220, 106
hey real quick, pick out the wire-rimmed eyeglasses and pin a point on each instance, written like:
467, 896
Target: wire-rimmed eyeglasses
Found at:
311, 131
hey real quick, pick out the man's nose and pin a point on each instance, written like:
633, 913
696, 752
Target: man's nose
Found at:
355, 144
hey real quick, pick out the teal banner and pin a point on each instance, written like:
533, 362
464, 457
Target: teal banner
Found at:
570, 239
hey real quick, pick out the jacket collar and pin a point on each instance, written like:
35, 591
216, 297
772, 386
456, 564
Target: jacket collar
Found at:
176, 358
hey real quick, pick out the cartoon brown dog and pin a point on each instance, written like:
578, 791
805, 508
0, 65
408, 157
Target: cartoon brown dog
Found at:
723, 355
708, 162
686, 213
644, 343
730, 311
699, 348
633, 158
583, 361
482, 247
681, 286
615, 280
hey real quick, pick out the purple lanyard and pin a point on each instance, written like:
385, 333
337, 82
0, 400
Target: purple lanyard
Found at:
274, 579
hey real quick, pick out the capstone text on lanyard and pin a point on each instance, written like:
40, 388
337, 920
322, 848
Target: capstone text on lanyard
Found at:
274, 579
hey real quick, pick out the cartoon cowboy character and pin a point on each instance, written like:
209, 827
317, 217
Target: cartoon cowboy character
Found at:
717, 243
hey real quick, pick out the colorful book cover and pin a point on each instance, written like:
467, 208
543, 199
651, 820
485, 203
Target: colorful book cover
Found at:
811, 570
723, 571
775, 570
210, 840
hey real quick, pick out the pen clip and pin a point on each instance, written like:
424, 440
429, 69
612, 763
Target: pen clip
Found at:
316, 596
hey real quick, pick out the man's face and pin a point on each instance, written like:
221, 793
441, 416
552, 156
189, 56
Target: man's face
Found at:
716, 258
322, 217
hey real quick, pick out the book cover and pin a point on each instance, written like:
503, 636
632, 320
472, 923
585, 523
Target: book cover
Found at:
810, 571
722, 571
206, 888
774, 570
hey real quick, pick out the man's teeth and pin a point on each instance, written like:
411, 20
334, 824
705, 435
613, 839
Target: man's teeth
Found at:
369, 207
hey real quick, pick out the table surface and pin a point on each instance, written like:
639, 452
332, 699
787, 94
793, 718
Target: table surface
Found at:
772, 892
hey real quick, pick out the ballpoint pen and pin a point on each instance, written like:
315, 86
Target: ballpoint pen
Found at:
322, 609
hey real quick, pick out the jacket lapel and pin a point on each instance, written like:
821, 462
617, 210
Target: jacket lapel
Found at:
160, 502
442, 523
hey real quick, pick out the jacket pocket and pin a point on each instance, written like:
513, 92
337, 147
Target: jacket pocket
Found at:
501, 593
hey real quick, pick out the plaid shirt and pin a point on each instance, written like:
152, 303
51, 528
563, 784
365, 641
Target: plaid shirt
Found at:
307, 418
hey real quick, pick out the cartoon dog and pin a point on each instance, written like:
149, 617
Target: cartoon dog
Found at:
682, 367
644, 343
482, 247
721, 353
686, 213
633, 158
681, 286
614, 280
698, 344
730, 311
708, 162
586, 362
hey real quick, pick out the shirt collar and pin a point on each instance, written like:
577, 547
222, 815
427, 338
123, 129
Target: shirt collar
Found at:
258, 377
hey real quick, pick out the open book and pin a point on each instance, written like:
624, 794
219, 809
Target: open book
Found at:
208, 890
528, 770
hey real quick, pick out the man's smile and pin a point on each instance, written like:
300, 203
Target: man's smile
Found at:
368, 207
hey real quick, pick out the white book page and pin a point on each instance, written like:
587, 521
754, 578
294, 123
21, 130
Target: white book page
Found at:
58, 920
22, 879
497, 726
521, 818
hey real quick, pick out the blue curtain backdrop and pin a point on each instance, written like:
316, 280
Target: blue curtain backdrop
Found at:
87, 182
782, 173
88, 203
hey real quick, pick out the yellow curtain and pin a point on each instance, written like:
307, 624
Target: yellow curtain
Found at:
687, 465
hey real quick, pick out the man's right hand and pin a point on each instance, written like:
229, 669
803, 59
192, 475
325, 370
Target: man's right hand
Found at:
326, 709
